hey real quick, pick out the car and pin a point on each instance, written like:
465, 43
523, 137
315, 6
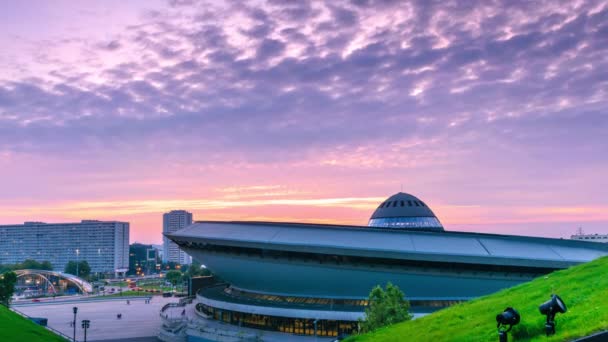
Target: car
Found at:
35, 300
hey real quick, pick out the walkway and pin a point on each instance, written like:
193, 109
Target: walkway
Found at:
138, 319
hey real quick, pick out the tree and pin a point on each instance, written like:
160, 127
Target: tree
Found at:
196, 270
46, 265
173, 277
83, 268
7, 287
385, 307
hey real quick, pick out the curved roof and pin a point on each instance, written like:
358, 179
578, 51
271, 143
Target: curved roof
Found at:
407, 244
83, 285
402, 205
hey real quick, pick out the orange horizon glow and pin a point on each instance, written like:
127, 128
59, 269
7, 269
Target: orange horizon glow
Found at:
145, 215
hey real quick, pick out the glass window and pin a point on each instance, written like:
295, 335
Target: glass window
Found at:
402, 204
407, 222
395, 204
409, 203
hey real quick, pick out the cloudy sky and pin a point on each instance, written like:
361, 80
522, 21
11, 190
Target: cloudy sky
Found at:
495, 113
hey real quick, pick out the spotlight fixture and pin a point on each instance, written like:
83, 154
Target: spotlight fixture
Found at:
549, 309
510, 317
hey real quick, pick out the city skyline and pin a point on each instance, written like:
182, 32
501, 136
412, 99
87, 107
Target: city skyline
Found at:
306, 112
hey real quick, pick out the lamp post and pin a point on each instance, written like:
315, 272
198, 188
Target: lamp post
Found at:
77, 261
75, 310
85, 326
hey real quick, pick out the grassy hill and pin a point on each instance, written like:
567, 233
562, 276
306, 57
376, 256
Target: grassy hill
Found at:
16, 328
583, 288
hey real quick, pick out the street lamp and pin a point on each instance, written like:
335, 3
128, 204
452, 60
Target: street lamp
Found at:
85, 326
77, 261
75, 310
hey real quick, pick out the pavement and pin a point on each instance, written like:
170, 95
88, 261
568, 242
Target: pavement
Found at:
139, 320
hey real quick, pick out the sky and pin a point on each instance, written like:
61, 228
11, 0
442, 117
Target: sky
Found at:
495, 113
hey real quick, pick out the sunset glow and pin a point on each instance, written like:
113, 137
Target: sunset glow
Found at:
306, 111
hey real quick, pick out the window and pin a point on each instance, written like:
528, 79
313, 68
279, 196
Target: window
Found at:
395, 204
402, 204
409, 203
416, 203
388, 204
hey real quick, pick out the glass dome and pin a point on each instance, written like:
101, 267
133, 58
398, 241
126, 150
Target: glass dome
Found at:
404, 211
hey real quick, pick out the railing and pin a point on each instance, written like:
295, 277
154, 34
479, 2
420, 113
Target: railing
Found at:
57, 332
182, 302
187, 300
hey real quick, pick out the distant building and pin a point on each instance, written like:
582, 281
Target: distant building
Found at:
580, 235
103, 244
143, 259
159, 251
172, 222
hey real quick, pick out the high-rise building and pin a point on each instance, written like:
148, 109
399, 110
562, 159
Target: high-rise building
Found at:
173, 221
103, 244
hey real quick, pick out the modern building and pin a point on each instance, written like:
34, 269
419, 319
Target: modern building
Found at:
172, 222
591, 237
315, 279
103, 244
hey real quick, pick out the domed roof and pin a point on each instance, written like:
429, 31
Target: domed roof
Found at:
404, 211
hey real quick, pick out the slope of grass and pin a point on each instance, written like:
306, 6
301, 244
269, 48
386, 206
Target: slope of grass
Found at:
583, 288
16, 328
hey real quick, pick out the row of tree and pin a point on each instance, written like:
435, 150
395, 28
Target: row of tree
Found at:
80, 269
28, 264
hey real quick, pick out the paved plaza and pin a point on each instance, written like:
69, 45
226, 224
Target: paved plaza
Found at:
138, 318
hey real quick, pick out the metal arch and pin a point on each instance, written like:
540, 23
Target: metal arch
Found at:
82, 285
40, 275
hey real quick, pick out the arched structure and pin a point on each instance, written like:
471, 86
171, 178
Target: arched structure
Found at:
46, 275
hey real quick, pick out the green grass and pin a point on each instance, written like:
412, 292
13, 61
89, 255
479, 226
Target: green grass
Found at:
16, 328
131, 293
157, 287
583, 288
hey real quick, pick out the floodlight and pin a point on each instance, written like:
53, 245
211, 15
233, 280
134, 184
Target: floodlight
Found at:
510, 317
549, 309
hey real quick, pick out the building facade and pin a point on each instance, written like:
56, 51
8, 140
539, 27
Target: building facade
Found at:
103, 244
315, 279
172, 222
591, 237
